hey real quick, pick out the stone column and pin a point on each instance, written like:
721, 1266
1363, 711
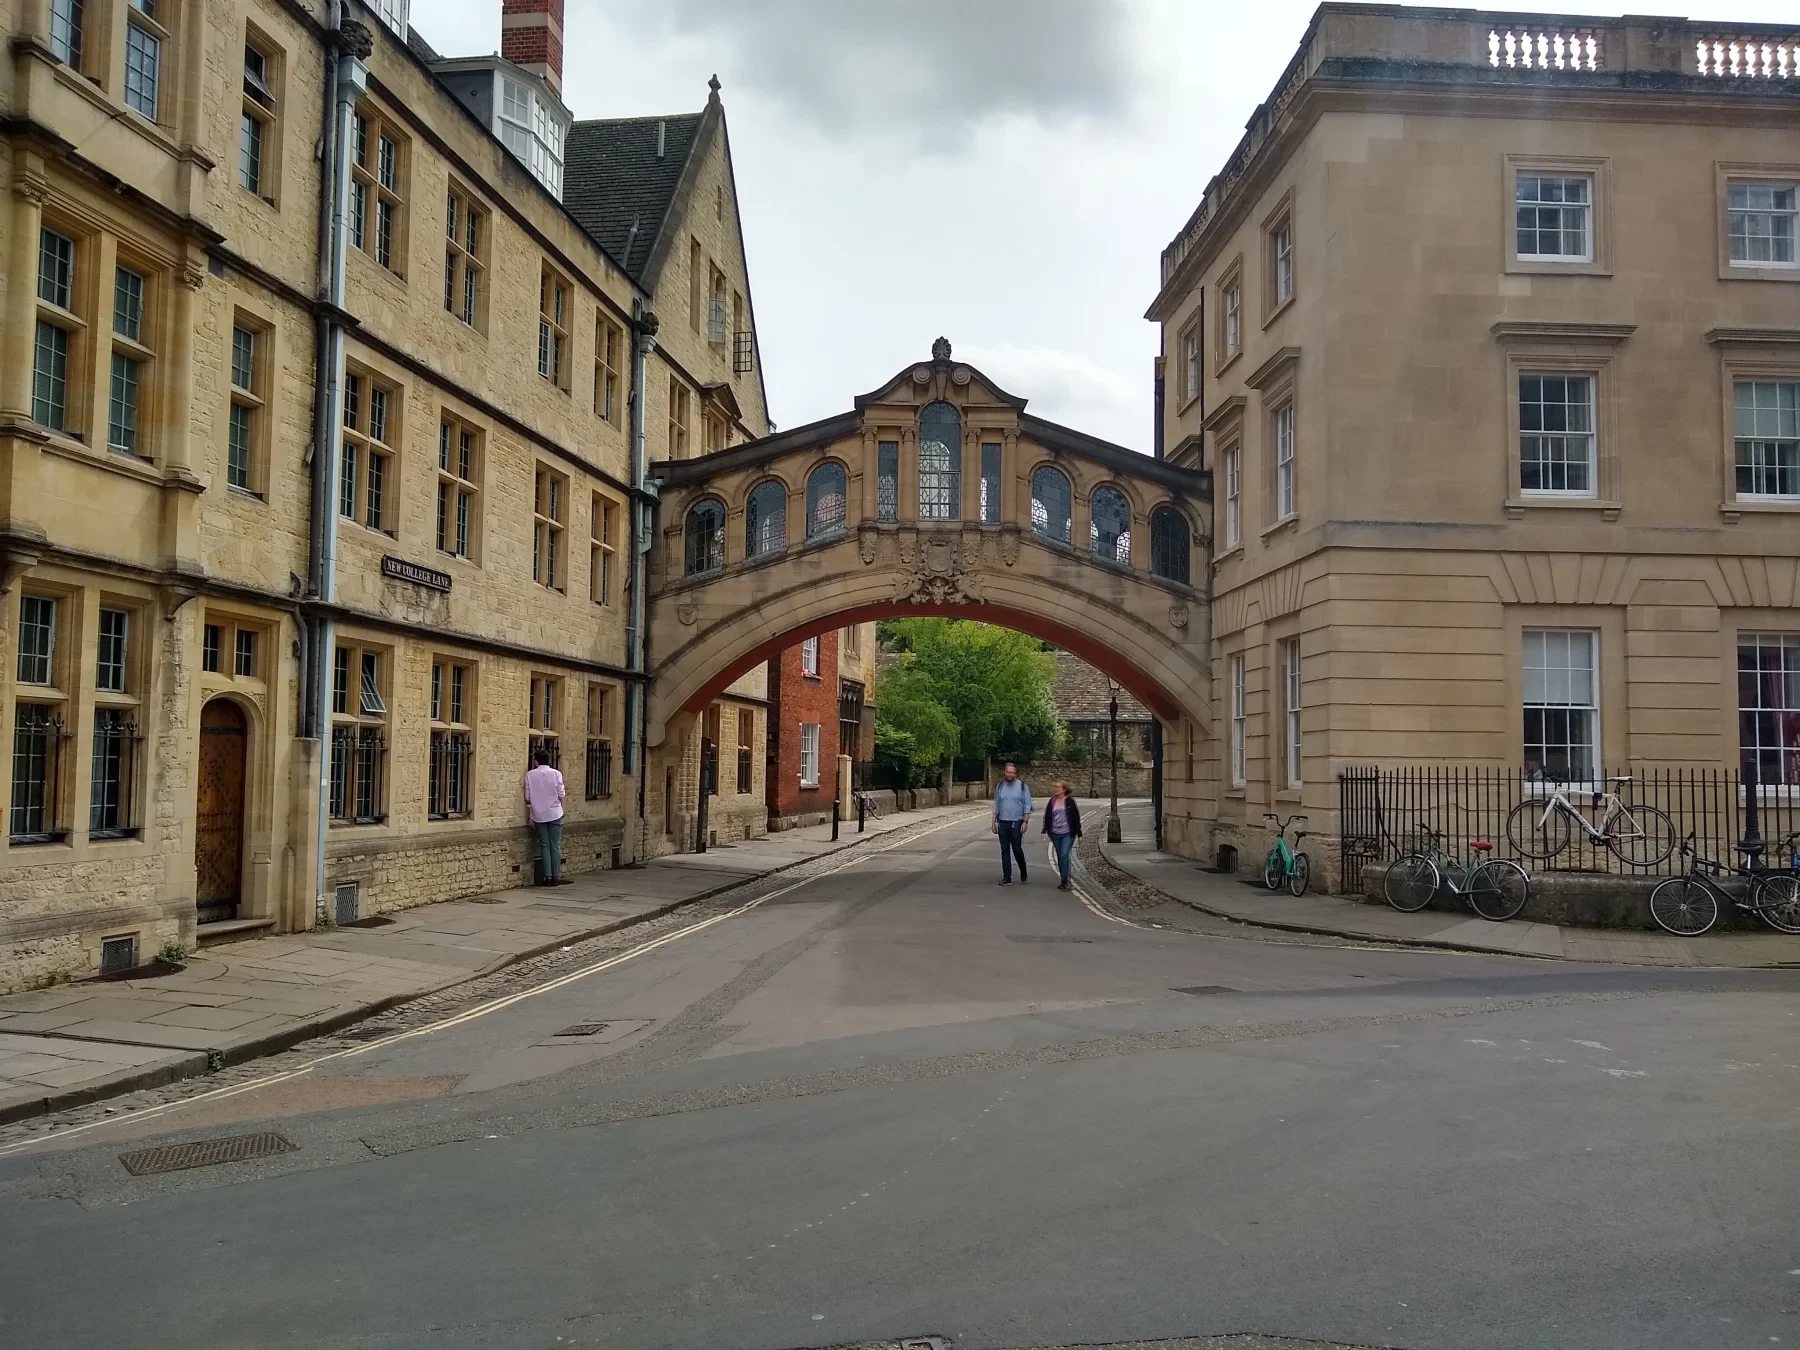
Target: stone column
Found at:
1015, 496
29, 190
180, 506
909, 476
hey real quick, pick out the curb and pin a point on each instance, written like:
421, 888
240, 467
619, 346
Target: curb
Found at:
1312, 930
195, 1063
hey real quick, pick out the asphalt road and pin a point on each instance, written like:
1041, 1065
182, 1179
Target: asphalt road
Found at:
898, 1100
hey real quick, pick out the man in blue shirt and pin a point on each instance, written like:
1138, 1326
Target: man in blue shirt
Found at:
1012, 818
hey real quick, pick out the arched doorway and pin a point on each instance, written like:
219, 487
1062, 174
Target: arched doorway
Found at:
219, 813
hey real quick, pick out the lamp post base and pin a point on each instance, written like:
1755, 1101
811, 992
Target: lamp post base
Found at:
1113, 833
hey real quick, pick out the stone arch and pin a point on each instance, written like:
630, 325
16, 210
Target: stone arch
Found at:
1155, 653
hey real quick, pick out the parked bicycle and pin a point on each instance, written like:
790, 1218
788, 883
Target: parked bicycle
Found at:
1639, 836
1689, 905
1285, 866
866, 800
1496, 888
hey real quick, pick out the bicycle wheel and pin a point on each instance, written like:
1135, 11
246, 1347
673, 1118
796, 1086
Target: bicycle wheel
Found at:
1535, 834
1498, 889
1411, 882
1684, 907
1777, 901
1274, 870
1642, 836
1300, 875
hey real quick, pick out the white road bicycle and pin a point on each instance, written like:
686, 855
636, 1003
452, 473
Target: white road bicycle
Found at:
1639, 836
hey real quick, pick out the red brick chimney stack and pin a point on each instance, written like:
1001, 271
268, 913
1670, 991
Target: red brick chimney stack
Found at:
531, 35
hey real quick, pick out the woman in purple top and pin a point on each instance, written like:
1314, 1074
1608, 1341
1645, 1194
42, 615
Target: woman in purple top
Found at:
1062, 822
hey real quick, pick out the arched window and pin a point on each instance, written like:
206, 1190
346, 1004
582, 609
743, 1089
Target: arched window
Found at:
825, 500
1169, 544
1109, 525
705, 537
940, 463
765, 519
1050, 499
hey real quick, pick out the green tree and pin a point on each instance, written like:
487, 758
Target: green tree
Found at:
993, 683
911, 724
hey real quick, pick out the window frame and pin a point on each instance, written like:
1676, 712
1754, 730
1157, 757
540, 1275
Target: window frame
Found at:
545, 714
1238, 764
550, 528
1120, 553
810, 754
252, 400
1188, 356
451, 740
378, 190
466, 264
63, 312
140, 18
609, 359
556, 315
1231, 460
1228, 342
1527, 372
360, 735
1042, 529
1278, 221
1786, 724
1599, 258
1544, 350
680, 414
887, 482
365, 458
597, 778
262, 104
1595, 743
943, 481
757, 518
713, 544
1293, 706
603, 546
823, 526
809, 658
1776, 174
1737, 376
1284, 452
457, 516
47, 710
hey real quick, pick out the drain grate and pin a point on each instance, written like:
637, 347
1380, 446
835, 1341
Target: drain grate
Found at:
583, 1029
204, 1153
366, 1032
1207, 989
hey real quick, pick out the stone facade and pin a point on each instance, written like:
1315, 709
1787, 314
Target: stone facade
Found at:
1360, 341
155, 543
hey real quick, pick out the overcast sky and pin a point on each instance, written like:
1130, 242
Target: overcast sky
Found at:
1003, 172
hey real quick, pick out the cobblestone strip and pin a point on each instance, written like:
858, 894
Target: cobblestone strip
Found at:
427, 1009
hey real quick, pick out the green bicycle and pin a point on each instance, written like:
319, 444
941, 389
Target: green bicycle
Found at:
1496, 888
1285, 865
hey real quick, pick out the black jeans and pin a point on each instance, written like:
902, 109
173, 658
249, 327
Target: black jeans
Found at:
1012, 845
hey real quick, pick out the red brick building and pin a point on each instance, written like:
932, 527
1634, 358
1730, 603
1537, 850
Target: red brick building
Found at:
803, 732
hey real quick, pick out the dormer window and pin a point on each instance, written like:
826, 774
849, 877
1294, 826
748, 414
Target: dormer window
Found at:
533, 128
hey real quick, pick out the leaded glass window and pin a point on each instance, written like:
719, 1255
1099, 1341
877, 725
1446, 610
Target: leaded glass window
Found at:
825, 502
765, 518
1050, 498
705, 538
1169, 545
1109, 525
887, 481
940, 463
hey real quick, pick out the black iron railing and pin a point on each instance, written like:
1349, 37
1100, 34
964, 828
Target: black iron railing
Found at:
743, 769
1382, 813
358, 767
451, 775
38, 738
599, 768
113, 800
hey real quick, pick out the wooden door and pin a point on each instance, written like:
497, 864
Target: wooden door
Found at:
219, 817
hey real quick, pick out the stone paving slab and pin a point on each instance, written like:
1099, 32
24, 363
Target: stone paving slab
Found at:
234, 1001
1227, 897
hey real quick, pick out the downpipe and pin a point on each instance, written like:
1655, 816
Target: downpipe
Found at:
351, 45
637, 639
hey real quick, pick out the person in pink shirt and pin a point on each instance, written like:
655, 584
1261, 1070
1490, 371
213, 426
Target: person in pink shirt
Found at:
544, 794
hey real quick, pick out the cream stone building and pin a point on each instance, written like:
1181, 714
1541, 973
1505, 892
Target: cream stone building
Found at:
179, 357
1489, 332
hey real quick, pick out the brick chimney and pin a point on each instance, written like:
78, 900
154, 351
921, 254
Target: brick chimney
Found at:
531, 35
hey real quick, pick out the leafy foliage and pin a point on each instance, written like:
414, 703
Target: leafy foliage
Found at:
967, 688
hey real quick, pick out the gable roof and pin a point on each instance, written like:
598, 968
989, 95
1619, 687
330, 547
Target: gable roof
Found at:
621, 191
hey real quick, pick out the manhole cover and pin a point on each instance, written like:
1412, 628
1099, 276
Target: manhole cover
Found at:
204, 1153
1206, 989
373, 921
365, 1032
596, 1032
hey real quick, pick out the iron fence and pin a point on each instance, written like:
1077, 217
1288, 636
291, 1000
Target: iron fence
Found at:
1382, 813
599, 768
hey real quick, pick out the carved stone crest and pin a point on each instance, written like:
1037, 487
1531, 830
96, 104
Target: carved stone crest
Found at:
939, 577
1178, 615
687, 611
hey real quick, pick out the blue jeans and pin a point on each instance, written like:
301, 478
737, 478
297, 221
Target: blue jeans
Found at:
549, 842
1012, 845
1065, 854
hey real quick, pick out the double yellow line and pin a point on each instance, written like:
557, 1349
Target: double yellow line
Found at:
480, 1010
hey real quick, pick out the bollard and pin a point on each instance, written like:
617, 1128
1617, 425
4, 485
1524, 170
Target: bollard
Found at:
862, 811
836, 811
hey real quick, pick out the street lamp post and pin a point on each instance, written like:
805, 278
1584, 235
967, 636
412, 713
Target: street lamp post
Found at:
1113, 832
